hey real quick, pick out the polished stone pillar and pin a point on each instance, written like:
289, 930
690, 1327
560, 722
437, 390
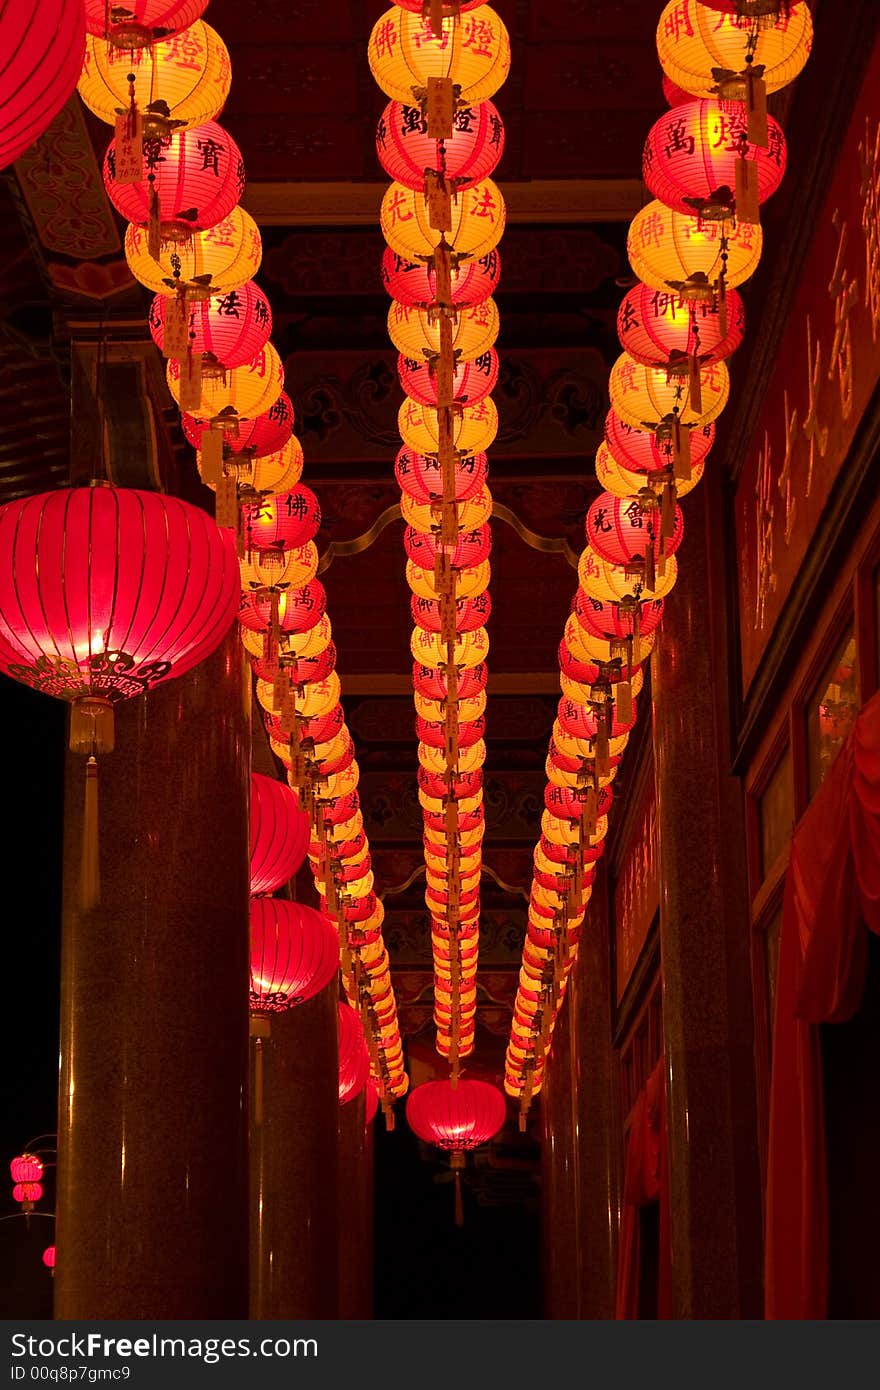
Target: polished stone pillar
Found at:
293, 1162
152, 1158
598, 1126
355, 1210
560, 1229
704, 934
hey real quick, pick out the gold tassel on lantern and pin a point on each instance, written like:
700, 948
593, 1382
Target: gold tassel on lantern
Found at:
91, 732
456, 1163
129, 141
90, 878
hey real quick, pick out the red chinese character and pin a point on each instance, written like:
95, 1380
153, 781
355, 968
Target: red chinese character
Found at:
386, 37
478, 35
678, 22
398, 202
486, 206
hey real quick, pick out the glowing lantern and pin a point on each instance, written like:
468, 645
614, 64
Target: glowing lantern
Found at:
623, 483
478, 217
473, 429
674, 95
415, 282
470, 154
620, 531
245, 392
181, 81
640, 451
472, 547
470, 613
283, 522
230, 328
279, 833
470, 650
449, 9
26, 1167
421, 477
668, 249
698, 159
191, 181
27, 1193
695, 47
49, 1257
432, 684
416, 334
456, 1118
270, 569
616, 619
253, 439
354, 1062
612, 583
645, 396
139, 23
41, 53
473, 51
659, 328
215, 261
294, 954
471, 381
471, 514
467, 581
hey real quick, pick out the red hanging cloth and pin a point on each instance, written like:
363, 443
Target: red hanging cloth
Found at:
832, 892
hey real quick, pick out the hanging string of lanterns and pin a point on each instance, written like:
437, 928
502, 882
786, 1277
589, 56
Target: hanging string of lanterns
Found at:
160, 76
440, 139
709, 162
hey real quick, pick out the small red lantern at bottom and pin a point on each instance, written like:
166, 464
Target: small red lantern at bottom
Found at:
49, 1257
456, 1118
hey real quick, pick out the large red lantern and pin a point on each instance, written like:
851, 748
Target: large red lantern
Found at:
697, 157
471, 381
620, 530
42, 45
415, 282
138, 23
190, 182
294, 954
354, 1061
640, 451
230, 328
456, 1119
279, 833
407, 153
661, 329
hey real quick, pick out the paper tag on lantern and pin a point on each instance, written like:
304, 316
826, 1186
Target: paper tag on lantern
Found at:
175, 339
438, 198
681, 453
650, 573
441, 108
444, 374
226, 504
590, 803
695, 384
212, 456
747, 205
443, 273
722, 305
154, 224
623, 692
129, 148
191, 382
667, 510
280, 687
757, 127
661, 561
287, 714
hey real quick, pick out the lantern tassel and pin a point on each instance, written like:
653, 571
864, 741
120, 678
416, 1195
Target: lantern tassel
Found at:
695, 384
90, 873
747, 205
258, 1081
154, 221
459, 1205
757, 127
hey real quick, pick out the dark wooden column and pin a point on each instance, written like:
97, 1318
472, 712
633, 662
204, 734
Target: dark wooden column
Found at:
355, 1210
559, 1198
704, 934
152, 1158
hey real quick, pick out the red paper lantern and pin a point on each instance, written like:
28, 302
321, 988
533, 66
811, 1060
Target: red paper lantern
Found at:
342, 809
106, 592
470, 154
345, 849
659, 328
231, 328
26, 1167
471, 549
674, 94
615, 620
314, 666
264, 434
354, 1060
620, 531
690, 157
581, 722
463, 784
197, 176
27, 1193
428, 680
434, 734
456, 1118
138, 23
568, 802
587, 672
467, 820
294, 954
567, 854
414, 283
640, 452
279, 833
42, 47
49, 1257
448, 8
470, 613
298, 610
283, 522
471, 381
421, 476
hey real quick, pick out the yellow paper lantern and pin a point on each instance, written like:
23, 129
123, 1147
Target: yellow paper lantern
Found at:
573, 747
273, 473
579, 692
472, 431
693, 41
429, 649
220, 259
412, 332
643, 396
470, 708
471, 514
468, 583
668, 249
478, 217
603, 580
189, 72
249, 391
434, 759
268, 569
621, 482
298, 644
311, 700
564, 832
473, 50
